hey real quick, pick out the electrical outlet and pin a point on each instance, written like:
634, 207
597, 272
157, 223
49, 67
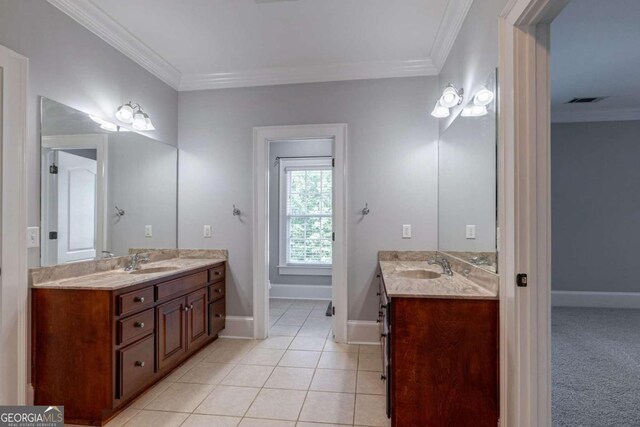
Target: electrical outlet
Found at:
406, 231
470, 232
33, 237
207, 231
148, 231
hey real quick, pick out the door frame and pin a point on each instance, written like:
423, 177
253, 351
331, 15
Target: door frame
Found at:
525, 214
14, 360
339, 291
99, 142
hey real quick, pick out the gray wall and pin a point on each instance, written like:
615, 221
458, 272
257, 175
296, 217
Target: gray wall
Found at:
392, 165
595, 196
295, 149
474, 54
71, 65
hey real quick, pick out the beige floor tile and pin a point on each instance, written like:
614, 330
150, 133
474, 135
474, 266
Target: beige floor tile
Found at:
262, 356
150, 395
370, 362
334, 360
373, 348
299, 311
207, 373
178, 372
314, 331
156, 419
331, 345
273, 319
371, 411
180, 397
256, 422
300, 359
122, 417
277, 404
228, 400
328, 407
227, 354
305, 424
284, 330
369, 382
276, 342
276, 311
199, 420
290, 378
290, 320
307, 343
248, 376
336, 380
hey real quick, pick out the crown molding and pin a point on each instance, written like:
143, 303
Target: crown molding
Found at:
454, 16
311, 74
98, 22
619, 115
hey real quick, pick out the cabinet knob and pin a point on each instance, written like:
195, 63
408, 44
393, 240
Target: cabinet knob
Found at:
383, 335
377, 293
216, 273
377, 320
219, 316
138, 299
186, 308
219, 291
139, 325
140, 363
383, 377
190, 306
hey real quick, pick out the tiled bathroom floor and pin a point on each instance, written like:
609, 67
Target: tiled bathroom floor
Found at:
298, 377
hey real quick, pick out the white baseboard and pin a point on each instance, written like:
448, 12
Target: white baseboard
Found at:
313, 292
238, 327
595, 299
363, 332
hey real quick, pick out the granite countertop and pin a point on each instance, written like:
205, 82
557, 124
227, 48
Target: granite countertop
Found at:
118, 278
456, 286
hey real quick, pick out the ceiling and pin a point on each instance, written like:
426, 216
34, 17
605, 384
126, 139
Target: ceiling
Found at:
208, 44
595, 52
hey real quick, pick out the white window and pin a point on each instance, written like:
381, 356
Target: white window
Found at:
306, 216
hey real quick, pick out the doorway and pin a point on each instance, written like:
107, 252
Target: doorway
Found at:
300, 230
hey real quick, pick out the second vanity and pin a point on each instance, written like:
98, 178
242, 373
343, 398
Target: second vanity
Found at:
100, 340
440, 342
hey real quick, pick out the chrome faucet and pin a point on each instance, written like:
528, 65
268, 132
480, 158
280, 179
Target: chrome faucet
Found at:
444, 263
136, 259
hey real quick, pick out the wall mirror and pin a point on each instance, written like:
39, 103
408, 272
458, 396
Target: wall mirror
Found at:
467, 184
104, 189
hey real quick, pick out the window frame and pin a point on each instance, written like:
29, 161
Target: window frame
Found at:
285, 267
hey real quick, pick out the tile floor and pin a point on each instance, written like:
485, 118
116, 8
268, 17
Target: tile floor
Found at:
298, 377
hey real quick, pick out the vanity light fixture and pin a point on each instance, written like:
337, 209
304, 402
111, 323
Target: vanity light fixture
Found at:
439, 111
134, 115
474, 111
451, 96
483, 97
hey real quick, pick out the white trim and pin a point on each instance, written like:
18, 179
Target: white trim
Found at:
363, 332
237, 327
14, 359
308, 292
304, 270
454, 16
100, 143
98, 22
309, 74
595, 299
261, 138
575, 116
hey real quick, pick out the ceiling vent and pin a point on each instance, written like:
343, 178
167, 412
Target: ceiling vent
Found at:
586, 100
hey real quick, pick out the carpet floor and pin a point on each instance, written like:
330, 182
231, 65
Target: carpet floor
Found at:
596, 367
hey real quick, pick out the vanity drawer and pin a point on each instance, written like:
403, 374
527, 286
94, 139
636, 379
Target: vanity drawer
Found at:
217, 314
136, 326
182, 285
216, 274
135, 366
133, 301
216, 291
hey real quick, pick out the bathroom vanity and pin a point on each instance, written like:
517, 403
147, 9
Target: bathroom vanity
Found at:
100, 340
440, 344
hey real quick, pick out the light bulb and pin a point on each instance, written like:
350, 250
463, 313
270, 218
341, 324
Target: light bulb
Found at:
139, 121
474, 111
450, 97
148, 124
439, 111
483, 97
125, 113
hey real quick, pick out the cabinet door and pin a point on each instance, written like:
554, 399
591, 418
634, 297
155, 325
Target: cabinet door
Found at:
216, 316
172, 342
196, 318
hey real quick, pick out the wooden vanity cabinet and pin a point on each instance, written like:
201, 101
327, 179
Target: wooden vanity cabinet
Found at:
94, 351
440, 360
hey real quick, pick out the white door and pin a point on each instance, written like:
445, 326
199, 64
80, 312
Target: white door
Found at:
77, 220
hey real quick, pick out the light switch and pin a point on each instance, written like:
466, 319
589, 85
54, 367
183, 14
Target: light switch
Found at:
207, 231
406, 231
471, 232
148, 231
33, 237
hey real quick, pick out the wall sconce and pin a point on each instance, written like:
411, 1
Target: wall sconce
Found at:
134, 115
439, 111
481, 99
450, 98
